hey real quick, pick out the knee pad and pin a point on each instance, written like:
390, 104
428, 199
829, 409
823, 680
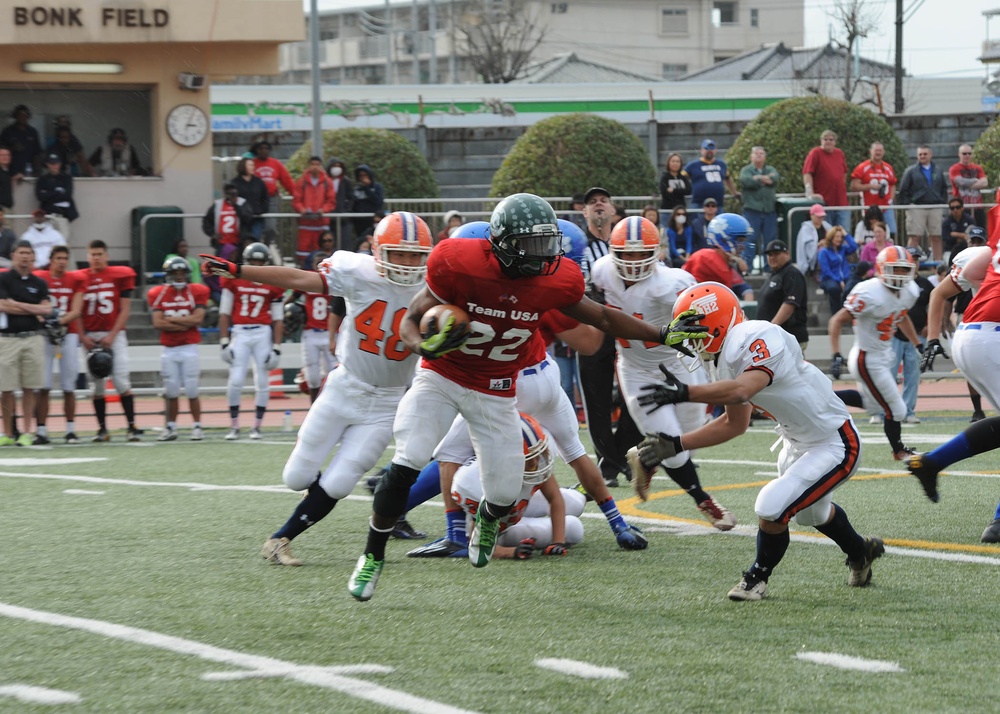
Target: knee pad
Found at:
191, 387
815, 515
171, 389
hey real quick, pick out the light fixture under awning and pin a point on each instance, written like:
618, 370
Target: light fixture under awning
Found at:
74, 67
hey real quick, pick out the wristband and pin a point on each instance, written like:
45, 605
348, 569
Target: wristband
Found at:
276, 348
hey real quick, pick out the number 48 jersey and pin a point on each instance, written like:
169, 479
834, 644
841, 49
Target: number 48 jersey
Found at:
799, 397
368, 345
877, 311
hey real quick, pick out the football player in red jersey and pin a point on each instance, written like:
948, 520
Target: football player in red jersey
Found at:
107, 304
66, 293
178, 308
323, 315
252, 314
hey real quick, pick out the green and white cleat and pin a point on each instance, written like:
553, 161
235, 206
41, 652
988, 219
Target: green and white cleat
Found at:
365, 577
483, 540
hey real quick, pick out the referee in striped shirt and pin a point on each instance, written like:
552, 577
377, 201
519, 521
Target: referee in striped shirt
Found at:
597, 371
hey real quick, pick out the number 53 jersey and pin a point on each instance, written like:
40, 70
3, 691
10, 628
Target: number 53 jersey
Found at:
368, 344
877, 311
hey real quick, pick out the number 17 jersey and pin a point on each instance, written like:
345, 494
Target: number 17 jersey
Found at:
368, 344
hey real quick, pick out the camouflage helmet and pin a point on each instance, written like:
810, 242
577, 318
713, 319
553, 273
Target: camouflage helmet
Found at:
525, 235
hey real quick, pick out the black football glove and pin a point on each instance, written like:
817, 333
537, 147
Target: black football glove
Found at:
448, 339
837, 365
525, 549
672, 391
214, 265
932, 350
555, 549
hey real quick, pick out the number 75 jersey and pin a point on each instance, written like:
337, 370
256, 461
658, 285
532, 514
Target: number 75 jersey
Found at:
877, 311
368, 344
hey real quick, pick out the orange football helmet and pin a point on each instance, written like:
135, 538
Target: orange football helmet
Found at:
401, 231
894, 266
635, 234
538, 462
720, 310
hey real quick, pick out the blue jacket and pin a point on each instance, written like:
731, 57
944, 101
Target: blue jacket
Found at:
833, 264
686, 242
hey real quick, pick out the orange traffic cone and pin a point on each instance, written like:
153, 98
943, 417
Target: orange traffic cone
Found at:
276, 379
110, 395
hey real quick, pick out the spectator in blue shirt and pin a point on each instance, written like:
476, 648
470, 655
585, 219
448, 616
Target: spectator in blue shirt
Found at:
709, 177
680, 237
834, 269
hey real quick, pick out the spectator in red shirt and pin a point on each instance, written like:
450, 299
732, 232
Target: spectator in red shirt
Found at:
966, 180
824, 174
272, 172
314, 195
876, 181
227, 222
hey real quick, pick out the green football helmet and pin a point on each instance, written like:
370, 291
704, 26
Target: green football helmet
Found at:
525, 236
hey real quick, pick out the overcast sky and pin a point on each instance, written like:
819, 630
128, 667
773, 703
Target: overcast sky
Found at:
942, 36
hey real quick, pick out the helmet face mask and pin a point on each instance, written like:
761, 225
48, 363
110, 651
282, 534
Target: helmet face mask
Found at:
895, 268
525, 236
638, 237
256, 254
720, 310
178, 272
401, 232
728, 231
538, 463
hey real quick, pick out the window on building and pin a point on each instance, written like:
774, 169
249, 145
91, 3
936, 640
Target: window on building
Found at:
725, 13
672, 71
559, 8
673, 21
755, 18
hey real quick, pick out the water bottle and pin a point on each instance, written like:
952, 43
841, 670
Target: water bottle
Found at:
286, 425
29, 170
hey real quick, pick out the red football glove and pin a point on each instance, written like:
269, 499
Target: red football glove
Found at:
555, 549
214, 265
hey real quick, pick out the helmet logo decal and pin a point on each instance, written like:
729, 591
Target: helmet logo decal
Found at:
707, 304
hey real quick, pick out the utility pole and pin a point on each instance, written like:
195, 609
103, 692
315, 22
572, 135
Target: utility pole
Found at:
898, 108
317, 106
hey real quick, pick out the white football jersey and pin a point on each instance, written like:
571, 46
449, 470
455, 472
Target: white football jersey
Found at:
877, 311
651, 300
969, 267
800, 397
467, 492
368, 344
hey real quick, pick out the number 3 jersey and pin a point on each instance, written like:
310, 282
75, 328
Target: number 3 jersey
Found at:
368, 344
102, 294
178, 302
798, 396
877, 311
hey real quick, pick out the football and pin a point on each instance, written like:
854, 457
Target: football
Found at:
442, 312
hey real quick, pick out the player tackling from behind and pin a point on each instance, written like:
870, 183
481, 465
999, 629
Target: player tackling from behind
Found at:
760, 365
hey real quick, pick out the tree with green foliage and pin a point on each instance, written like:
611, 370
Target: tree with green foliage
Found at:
790, 128
568, 154
986, 152
398, 165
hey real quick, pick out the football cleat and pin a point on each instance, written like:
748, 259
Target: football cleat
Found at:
41, 440
101, 436
483, 540
233, 434
365, 577
642, 477
926, 472
441, 548
861, 570
749, 588
978, 415
255, 434
992, 532
133, 435
717, 514
197, 434
404, 531
611, 481
26, 440
167, 435
279, 550
7, 441
72, 438
904, 453
631, 538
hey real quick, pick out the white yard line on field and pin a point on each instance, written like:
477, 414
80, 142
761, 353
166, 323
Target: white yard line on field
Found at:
832, 659
580, 669
326, 677
38, 695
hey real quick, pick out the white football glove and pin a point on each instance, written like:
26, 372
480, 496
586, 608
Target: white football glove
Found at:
227, 351
273, 359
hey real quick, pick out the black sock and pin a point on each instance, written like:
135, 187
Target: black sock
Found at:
234, 411
311, 510
493, 512
128, 406
850, 397
771, 549
983, 436
100, 411
686, 477
977, 401
260, 412
391, 495
841, 532
893, 432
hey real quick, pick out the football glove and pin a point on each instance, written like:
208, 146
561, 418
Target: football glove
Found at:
837, 365
55, 330
443, 339
685, 326
672, 391
631, 538
525, 549
273, 359
658, 447
931, 351
555, 549
227, 351
215, 265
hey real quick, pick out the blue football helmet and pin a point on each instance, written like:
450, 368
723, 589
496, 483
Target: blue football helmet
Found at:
574, 240
728, 231
472, 229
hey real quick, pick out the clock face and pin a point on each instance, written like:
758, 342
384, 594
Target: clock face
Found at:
187, 124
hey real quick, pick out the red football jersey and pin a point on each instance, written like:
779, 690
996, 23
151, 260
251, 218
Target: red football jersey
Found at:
251, 301
228, 223
102, 295
505, 312
317, 311
867, 173
61, 291
174, 302
985, 306
709, 265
